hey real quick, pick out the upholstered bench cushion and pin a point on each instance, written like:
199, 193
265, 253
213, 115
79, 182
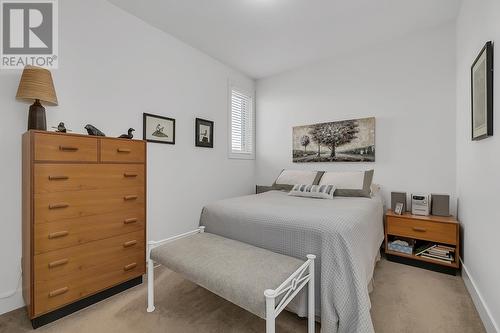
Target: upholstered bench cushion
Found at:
233, 270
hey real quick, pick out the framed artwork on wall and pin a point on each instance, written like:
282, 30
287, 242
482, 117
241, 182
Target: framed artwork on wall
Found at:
158, 129
338, 141
204, 133
482, 93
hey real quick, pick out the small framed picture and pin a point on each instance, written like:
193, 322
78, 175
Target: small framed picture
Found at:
482, 93
158, 129
204, 133
399, 208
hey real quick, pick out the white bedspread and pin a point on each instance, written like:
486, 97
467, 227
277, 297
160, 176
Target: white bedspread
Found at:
344, 233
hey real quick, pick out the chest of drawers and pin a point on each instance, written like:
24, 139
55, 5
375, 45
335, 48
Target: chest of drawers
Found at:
84, 220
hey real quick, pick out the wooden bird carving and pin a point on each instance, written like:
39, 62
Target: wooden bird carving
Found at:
92, 130
130, 134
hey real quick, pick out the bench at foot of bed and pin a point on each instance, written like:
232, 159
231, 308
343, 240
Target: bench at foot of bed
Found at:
258, 280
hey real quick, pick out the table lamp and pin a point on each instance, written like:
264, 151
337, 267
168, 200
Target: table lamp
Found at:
36, 84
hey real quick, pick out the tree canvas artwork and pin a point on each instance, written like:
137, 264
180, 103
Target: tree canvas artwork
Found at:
338, 141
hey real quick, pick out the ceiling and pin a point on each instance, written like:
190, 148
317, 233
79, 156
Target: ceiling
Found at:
266, 37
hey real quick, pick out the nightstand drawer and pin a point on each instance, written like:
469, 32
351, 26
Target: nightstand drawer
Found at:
425, 230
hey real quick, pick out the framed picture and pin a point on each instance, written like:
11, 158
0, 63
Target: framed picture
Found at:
204, 133
399, 208
482, 93
338, 141
158, 129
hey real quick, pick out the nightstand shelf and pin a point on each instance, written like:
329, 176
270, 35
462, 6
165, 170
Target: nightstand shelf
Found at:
423, 229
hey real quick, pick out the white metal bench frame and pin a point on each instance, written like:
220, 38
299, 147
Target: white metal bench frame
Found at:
289, 288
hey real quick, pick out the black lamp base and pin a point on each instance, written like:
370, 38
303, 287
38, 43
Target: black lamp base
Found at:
36, 117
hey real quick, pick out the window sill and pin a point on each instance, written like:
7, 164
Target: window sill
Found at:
241, 156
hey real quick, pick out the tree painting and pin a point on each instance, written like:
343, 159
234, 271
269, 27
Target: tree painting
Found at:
305, 141
339, 141
337, 134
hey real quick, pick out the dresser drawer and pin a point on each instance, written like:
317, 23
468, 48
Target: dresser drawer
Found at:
71, 232
55, 147
72, 177
123, 151
425, 230
66, 275
56, 206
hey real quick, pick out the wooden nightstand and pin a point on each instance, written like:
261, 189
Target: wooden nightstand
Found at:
423, 230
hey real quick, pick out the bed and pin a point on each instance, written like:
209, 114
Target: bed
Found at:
344, 233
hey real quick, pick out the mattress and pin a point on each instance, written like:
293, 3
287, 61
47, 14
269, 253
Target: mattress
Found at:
344, 233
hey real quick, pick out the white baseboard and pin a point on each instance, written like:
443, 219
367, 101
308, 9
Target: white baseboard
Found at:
13, 302
484, 312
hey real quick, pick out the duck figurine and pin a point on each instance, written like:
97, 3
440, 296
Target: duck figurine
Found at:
92, 130
61, 128
129, 135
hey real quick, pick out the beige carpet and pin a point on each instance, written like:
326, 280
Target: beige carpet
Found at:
405, 299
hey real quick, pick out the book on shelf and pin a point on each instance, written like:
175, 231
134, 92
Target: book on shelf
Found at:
424, 248
437, 252
430, 255
436, 259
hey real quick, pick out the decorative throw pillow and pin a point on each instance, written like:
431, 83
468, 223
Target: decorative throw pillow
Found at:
349, 184
288, 178
313, 191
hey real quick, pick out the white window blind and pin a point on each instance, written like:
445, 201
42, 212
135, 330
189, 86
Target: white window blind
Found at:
241, 124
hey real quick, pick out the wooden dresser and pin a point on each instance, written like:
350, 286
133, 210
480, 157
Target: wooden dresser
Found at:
84, 220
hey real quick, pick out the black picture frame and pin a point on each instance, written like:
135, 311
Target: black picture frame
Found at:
148, 138
486, 55
208, 141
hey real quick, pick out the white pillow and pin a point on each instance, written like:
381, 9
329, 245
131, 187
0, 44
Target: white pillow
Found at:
349, 183
291, 177
313, 191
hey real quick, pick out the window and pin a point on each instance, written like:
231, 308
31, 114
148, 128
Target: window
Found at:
242, 121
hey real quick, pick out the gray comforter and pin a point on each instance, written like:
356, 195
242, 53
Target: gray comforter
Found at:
344, 233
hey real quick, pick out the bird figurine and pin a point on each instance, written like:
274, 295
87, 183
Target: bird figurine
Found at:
130, 135
92, 130
61, 128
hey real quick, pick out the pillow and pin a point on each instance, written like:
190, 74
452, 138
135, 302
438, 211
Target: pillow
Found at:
349, 184
288, 178
313, 191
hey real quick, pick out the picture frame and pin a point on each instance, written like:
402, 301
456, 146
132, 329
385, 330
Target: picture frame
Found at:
158, 129
351, 140
204, 133
482, 94
398, 210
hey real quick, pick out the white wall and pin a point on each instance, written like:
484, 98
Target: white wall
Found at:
113, 67
407, 84
478, 163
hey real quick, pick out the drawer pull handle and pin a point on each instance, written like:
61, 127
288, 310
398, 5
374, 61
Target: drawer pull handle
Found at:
68, 148
58, 177
419, 229
58, 263
58, 292
129, 243
129, 175
58, 234
129, 197
129, 221
58, 205
123, 150
130, 266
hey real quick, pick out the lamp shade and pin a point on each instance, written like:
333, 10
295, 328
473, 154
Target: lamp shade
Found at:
36, 83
